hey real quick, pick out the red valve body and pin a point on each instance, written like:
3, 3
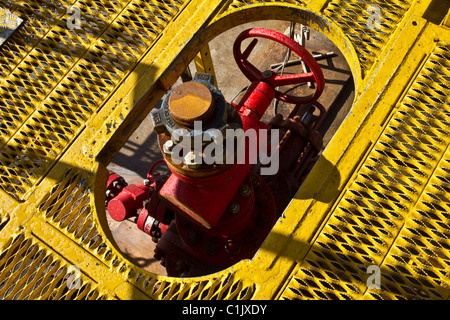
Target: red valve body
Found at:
206, 219
128, 201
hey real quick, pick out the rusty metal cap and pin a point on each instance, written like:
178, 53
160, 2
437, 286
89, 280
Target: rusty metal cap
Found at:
189, 102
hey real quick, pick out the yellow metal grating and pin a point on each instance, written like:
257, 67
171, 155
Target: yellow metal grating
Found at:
368, 218
68, 207
4, 218
40, 17
369, 24
216, 288
417, 266
241, 3
30, 271
64, 92
53, 91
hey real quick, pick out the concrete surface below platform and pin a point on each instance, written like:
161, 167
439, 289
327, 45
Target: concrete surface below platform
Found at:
141, 151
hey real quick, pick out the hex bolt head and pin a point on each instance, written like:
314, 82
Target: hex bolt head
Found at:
110, 194
193, 237
168, 147
234, 208
192, 160
158, 122
267, 74
245, 190
210, 247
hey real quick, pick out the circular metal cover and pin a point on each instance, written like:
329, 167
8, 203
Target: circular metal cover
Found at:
189, 102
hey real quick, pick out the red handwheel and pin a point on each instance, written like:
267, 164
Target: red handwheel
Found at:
253, 74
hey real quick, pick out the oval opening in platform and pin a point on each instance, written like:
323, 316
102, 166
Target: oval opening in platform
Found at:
133, 161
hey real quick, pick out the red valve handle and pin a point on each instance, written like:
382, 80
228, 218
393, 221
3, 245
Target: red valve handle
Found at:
253, 74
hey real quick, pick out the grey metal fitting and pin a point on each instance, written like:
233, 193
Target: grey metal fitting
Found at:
192, 160
168, 147
245, 190
234, 208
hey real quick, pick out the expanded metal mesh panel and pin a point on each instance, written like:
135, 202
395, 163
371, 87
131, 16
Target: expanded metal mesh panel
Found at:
222, 287
39, 17
69, 208
417, 266
47, 99
4, 218
368, 218
30, 271
241, 3
368, 23
55, 77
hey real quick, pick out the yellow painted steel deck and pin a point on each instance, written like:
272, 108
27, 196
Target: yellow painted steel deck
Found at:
379, 195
